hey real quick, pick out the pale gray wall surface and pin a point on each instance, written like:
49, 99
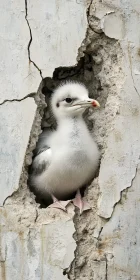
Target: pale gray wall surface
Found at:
30, 250
103, 244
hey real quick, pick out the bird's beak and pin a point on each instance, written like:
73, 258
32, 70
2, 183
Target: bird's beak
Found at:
87, 103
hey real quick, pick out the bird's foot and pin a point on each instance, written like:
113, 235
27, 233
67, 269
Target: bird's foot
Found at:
59, 204
81, 203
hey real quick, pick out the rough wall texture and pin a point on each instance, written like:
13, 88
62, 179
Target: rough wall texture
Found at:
38, 37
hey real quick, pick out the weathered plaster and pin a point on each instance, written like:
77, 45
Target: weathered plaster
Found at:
38, 243
108, 247
115, 20
122, 154
16, 120
18, 76
58, 29
119, 239
34, 243
40, 251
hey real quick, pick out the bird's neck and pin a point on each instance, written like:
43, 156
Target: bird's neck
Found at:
72, 124
63, 121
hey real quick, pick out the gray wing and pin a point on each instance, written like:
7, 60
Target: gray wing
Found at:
41, 162
43, 153
43, 141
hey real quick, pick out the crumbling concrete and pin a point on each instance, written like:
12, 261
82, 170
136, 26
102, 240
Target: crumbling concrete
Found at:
111, 242
37, 243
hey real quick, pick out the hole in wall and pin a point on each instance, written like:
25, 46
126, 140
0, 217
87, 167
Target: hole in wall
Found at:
82, 72
88, 71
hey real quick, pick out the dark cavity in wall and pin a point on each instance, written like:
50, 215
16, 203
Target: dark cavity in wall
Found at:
84, 72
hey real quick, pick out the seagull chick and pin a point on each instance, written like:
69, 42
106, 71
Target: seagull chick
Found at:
68, 157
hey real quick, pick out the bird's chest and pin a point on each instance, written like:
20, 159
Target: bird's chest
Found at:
72, 145
74, 151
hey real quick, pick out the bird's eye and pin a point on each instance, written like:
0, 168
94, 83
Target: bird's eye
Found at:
68, 100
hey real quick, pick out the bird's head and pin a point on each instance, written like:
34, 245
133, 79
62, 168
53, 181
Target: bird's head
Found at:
71, 99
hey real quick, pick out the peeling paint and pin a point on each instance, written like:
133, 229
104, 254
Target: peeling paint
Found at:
113, 26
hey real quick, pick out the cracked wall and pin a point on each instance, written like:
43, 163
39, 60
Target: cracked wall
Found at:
43, 243
25, 229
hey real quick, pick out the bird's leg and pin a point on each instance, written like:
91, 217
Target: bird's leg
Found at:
80, 202
60, 204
